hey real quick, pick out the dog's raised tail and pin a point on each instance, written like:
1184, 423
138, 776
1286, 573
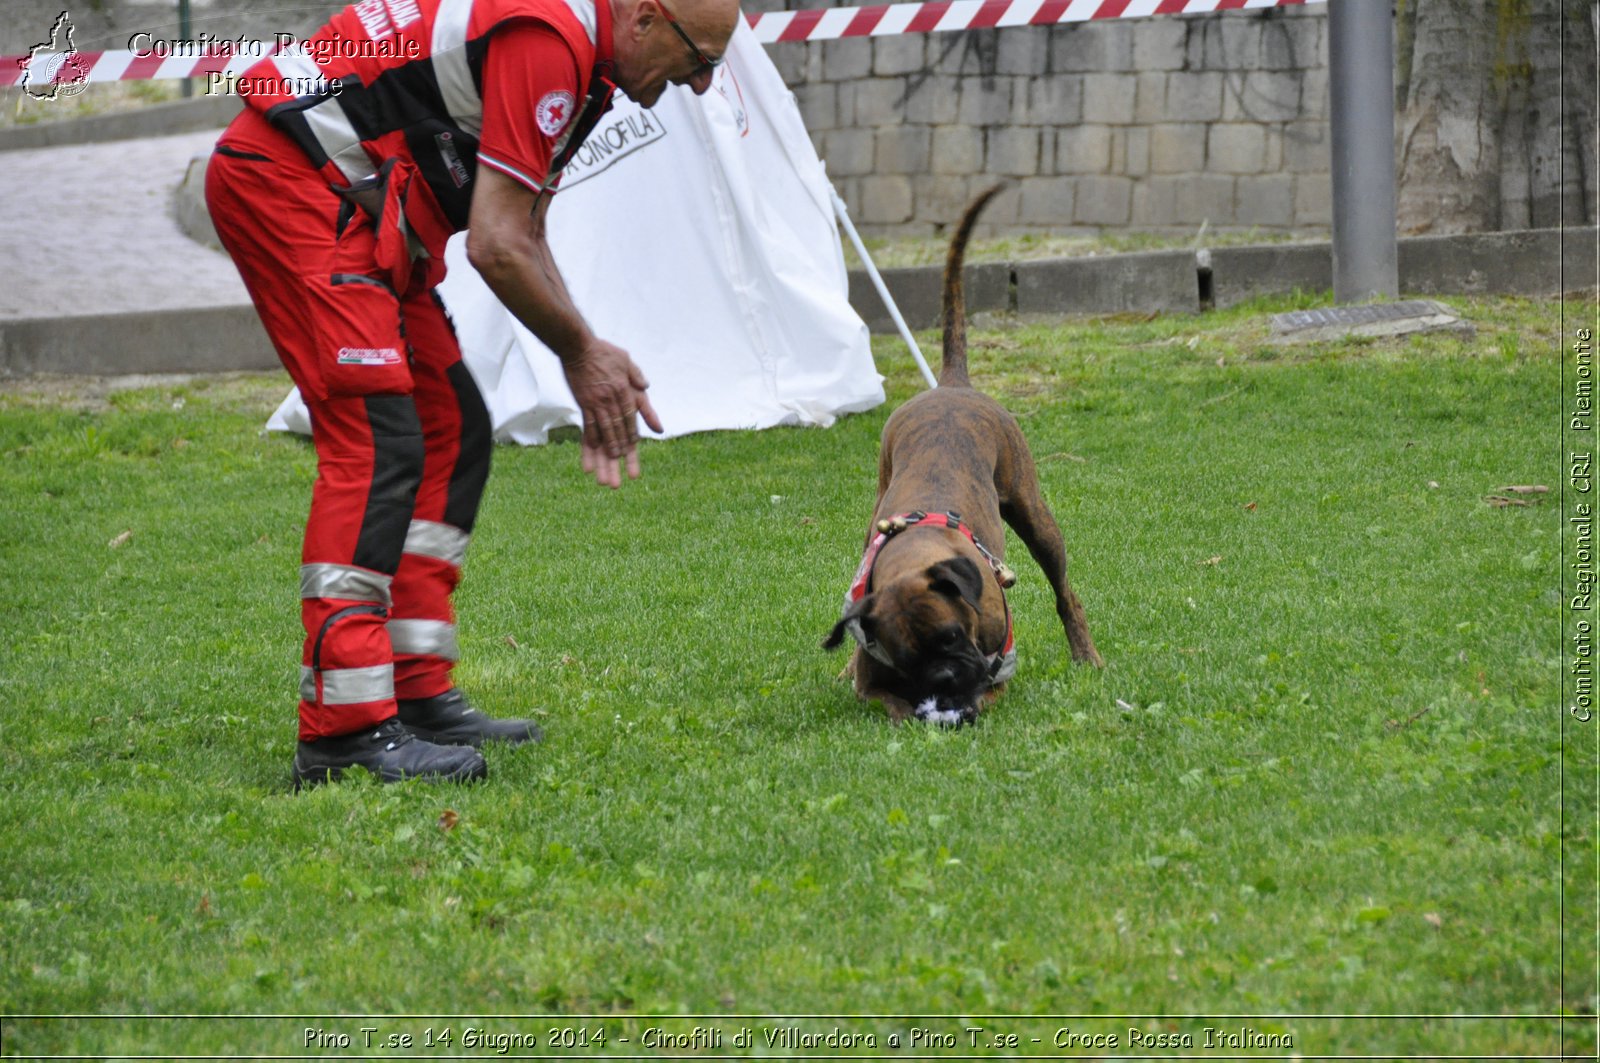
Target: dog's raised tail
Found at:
953, 373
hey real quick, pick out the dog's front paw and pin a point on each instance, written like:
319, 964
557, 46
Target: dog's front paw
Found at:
932, 711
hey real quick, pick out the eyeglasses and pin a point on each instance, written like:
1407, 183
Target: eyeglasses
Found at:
705, 61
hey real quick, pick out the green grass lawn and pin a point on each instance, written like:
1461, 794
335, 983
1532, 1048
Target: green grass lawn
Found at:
1320, 777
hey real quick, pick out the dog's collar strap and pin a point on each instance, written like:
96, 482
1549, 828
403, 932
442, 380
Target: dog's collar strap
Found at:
889, 527
1003, 662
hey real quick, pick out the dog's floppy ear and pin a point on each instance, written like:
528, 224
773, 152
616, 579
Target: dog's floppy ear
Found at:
957, 577
857, 613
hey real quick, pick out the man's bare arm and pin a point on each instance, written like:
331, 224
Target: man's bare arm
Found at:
507, 244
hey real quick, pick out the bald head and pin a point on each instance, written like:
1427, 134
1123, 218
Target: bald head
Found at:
662, 42
715, 18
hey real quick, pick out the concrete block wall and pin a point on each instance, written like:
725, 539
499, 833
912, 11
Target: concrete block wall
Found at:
1158, 124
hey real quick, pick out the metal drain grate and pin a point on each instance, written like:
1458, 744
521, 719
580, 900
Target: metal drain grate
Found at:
1374, 319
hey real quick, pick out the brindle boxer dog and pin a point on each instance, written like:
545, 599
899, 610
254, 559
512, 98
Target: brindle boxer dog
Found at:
927, 607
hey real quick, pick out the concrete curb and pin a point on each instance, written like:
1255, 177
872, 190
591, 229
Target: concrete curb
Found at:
1239, 274
213, 339
157, 120
1534, 262
918, 292
1530, 262
1150, 282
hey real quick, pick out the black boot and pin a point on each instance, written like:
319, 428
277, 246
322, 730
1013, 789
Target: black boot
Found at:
390, 752
448, 719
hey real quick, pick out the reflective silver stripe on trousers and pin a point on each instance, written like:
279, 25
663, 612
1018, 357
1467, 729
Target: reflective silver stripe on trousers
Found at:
323, 580
327, 120
442, 542
348, 686
433, 638
450, 67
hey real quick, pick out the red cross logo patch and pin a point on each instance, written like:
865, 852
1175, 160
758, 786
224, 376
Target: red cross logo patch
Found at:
554, 112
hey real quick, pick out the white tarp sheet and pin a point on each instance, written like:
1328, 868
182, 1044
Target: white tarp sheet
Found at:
700, 237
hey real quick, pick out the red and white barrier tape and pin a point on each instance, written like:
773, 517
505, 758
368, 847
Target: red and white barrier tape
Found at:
824, 24
937, 16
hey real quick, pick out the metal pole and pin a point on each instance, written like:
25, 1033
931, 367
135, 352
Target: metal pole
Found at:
1361, 112
842, 212
185, 87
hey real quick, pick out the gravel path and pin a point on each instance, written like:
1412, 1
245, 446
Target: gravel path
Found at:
89, 229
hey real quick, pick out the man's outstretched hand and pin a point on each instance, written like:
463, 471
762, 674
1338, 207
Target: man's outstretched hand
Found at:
610, 391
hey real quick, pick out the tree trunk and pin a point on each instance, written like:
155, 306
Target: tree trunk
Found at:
1550, 118
1486, 140
1580, 142
1448, 128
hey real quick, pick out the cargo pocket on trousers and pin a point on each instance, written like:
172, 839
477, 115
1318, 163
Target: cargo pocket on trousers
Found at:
340, 672
363, 339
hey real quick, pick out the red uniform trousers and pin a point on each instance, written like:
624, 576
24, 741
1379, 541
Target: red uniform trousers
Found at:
400, 428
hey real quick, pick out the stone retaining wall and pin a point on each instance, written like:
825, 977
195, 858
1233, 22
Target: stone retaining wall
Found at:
1157, 124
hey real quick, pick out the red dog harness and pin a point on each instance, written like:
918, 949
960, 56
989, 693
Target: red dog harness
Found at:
1003, 662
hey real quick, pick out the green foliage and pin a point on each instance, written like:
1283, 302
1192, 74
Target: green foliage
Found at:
1321, 773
